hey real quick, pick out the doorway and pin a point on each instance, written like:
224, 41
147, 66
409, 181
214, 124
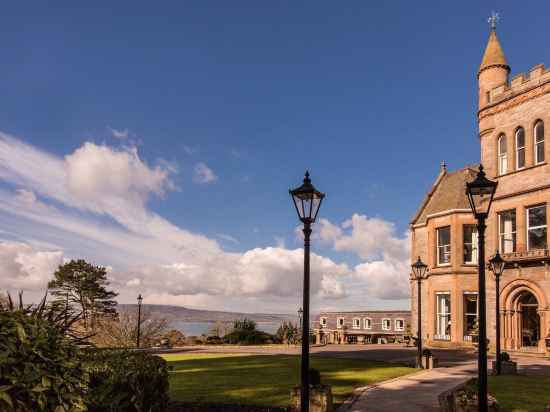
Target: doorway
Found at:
530, 320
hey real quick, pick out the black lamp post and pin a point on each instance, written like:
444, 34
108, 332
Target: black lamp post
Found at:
307, 201
300, 314
480, 195
419, 273
497, 265
139, 299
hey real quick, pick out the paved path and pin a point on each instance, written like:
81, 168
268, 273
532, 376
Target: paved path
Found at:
412, 393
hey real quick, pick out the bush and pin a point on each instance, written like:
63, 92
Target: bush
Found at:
39, 366
126, 381
247, 337
214, 340
504, 357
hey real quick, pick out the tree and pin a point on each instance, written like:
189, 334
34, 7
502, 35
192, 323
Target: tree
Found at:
84, 286
287, 333
120, 331
244, 325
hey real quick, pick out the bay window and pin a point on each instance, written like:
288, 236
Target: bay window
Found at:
444, 245
443, 316
470, 244
470, 315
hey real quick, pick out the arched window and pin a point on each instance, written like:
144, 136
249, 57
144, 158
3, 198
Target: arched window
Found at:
502, 155
520, 148
539, 142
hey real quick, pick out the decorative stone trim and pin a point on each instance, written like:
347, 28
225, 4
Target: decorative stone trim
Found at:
514, 101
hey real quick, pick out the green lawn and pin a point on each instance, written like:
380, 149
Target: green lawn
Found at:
266, 379
521, 393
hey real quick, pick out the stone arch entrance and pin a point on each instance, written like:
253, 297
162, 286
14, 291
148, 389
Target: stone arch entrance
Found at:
522, 311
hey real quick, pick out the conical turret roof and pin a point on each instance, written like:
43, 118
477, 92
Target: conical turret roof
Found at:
493, 56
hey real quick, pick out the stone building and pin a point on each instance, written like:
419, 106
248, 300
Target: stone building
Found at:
512, 117
361, 327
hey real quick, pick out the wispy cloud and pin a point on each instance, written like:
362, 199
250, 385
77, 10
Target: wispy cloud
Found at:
119, 134
93, 202
203, 174
228, 238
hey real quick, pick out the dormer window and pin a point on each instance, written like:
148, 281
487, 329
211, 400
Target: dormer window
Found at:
539, 142
502, 155
520, 148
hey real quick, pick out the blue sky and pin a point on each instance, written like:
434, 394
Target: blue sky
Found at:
370, 97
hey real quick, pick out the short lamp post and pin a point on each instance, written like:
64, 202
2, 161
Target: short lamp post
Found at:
300, 315
480, 194
419, 273
139, 299
307, 201
497, 265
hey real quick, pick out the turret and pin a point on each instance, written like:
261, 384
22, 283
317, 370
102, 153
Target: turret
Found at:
494, 69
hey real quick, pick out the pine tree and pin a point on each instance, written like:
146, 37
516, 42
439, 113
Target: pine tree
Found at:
79, 284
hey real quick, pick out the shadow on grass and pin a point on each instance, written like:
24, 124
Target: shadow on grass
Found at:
267, 380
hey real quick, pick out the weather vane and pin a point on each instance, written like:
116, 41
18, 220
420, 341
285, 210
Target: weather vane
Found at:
493, 20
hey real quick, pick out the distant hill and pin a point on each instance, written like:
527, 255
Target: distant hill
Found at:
180, 313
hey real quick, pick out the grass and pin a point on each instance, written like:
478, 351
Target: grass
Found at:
266, 380
521, 393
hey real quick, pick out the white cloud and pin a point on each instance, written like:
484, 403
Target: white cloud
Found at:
67, 199
119, 134
203, 174
24, 268
384, 272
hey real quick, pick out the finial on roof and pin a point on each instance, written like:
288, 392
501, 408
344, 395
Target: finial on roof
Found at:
493, 56
443, 167
493, 20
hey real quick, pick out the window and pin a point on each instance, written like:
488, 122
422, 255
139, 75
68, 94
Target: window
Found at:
536, 227
323, 322
444, 245
386, 324
507, 231
520, 148
367, 323
470, 315
502, 155
340, 323
539, 142
356, 323
443, 321
399, 324
470, 244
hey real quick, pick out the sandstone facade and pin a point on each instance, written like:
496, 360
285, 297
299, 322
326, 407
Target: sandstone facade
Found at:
514, 126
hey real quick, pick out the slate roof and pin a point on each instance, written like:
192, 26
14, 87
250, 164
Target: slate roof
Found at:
447, 193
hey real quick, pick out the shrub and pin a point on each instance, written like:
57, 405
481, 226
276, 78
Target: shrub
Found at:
247, 337
504, 357
126, 381
39, 366
214, 340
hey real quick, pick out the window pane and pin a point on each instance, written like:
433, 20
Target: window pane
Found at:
539, 132
520, 138
537, 216
521, 158
537, 238
502, 145
540, 152
444, 237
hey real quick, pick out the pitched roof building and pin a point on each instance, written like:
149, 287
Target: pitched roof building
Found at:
511, 115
